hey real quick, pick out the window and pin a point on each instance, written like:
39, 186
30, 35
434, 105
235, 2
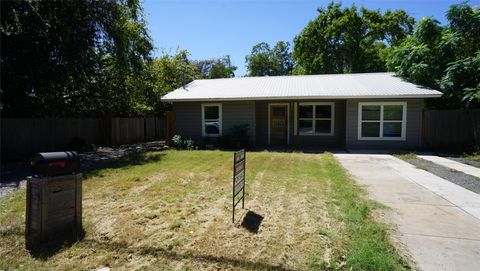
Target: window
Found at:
382, 121
315, 118
211, 120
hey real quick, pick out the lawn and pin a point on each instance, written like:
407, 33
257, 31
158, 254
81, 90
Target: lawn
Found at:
171, 210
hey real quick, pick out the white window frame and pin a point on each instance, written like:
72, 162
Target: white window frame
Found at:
313, 119
206, 120
381, 137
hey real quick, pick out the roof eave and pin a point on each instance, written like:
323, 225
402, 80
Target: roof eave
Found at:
412, 96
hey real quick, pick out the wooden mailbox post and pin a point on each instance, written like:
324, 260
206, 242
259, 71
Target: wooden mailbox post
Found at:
54, 205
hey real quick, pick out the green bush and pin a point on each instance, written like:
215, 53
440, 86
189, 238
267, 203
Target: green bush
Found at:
180, 144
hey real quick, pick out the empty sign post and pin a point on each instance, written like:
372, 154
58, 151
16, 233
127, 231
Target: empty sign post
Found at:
238, 181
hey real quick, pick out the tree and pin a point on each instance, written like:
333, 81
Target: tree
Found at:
163, 75
70, 58
445, 58
216, 67
461, 83
348, 40
172, 71
465, 28
416, 57
265, 61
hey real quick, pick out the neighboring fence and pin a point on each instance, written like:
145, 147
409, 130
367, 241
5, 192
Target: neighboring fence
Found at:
451, 129
169, 126
26, 136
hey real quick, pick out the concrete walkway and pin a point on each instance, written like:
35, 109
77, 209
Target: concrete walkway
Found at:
452, 164
436, 220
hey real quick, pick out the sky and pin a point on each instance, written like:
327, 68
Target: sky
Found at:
212, 29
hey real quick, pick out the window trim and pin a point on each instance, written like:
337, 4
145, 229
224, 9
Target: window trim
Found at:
381, 137
313, 119
219, 119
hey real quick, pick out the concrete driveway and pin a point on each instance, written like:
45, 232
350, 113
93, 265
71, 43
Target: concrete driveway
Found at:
437, 221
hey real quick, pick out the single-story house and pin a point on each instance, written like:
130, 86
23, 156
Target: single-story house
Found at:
363, 110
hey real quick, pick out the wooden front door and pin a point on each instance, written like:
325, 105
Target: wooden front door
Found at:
278, 124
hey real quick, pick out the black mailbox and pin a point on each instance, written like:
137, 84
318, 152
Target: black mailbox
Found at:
55, 163
54, 199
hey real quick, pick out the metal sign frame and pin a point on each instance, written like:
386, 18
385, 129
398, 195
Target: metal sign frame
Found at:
238, 183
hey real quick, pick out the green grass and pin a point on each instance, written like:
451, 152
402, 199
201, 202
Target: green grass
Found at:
409, 157
171, 210
475, 156
367, 246
406, 156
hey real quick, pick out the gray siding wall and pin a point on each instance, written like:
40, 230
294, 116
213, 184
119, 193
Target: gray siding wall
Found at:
188, 118
188, 123
238, 113
261, 109
413, 130
335, 140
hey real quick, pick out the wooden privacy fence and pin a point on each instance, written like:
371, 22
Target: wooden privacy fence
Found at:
169, 126
451, 129
21, 137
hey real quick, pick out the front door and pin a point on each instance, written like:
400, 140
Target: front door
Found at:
278, 124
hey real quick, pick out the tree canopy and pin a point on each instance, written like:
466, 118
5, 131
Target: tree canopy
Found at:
264, 60
161, 76
171, 71
94, 58
71, 57
348, 40
216, 68
445, 58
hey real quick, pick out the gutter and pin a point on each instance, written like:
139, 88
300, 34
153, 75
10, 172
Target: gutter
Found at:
420, 96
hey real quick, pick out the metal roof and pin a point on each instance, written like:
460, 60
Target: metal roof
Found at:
325, 86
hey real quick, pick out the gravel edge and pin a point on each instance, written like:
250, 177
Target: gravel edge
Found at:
465, 161
464, 180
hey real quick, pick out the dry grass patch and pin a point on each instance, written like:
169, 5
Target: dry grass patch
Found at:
171, 210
